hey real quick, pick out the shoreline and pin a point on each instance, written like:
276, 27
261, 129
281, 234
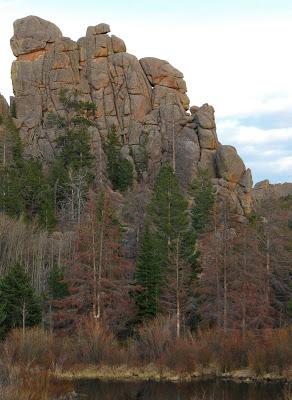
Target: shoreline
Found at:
123, 374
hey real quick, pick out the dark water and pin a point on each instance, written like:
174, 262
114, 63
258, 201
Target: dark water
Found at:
207, 390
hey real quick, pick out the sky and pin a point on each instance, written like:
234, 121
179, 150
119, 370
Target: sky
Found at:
234, 54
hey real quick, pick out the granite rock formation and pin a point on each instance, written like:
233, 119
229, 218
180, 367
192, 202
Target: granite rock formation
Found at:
264, 190
4, 108
144, 99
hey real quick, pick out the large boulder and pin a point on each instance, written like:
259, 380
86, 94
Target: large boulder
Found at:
204, 116
205, 120
160, 72
33, 33
246, 181
98, 29
187, 156
207, 162
229, 165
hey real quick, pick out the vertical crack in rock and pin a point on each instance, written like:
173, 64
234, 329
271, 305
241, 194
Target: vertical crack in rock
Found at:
146, 100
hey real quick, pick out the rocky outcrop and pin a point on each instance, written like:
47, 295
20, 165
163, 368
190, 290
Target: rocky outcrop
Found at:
33, 34
146, 100
4, 108
264, 190
229, 165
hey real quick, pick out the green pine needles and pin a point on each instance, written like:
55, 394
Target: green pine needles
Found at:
119, 169
167, 250
204, 199
148, 276
24, 189
19, 305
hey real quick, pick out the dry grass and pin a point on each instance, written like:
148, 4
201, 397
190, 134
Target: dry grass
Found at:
154, 354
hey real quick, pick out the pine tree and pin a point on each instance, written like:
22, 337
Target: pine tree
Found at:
24, 189
172, 253
148, 276
37, 194
204, 198
168, 208
119, 169
19, 305
11, 201
58, 288
71, 174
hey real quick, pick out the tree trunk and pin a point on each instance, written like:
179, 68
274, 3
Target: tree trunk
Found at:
173, 142
178, 306
94, 300
100, 261
23, 318
225, 288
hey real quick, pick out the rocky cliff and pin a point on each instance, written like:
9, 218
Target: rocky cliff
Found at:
144, 99
264, 190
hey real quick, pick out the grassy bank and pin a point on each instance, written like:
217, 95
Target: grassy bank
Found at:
151, 373
155, 353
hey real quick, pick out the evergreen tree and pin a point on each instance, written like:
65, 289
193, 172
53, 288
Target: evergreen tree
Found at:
170, 247
119, 169
58, 288
204, 199
23, 187
168, 209
71, 174
11, 201
148, 276
37, 194
19, 305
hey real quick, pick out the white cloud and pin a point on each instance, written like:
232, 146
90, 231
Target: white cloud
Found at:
266, 151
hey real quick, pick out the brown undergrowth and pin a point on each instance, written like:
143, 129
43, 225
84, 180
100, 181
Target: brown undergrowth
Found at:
32, 361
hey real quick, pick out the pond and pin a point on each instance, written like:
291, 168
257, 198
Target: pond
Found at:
203, 390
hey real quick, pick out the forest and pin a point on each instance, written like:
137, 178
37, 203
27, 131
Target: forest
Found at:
190, 291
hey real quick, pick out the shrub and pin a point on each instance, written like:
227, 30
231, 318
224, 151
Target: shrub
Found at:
182, 358
29, 349
96, 345
156, 339
28, 385
271, 352
225, 351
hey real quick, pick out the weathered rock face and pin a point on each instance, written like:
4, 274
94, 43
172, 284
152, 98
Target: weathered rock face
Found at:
33, 34
264, 190
4, 108
229, 165
145, 100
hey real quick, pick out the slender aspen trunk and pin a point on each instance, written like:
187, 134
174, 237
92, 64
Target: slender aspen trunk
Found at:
217, 270
100, 164
4, 153
168, 217
268, 266
225, 287
23, 318
94, 302
173, 142
243, 323
100, 261
178, 305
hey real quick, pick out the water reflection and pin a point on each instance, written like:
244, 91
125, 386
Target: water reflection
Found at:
207, 390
